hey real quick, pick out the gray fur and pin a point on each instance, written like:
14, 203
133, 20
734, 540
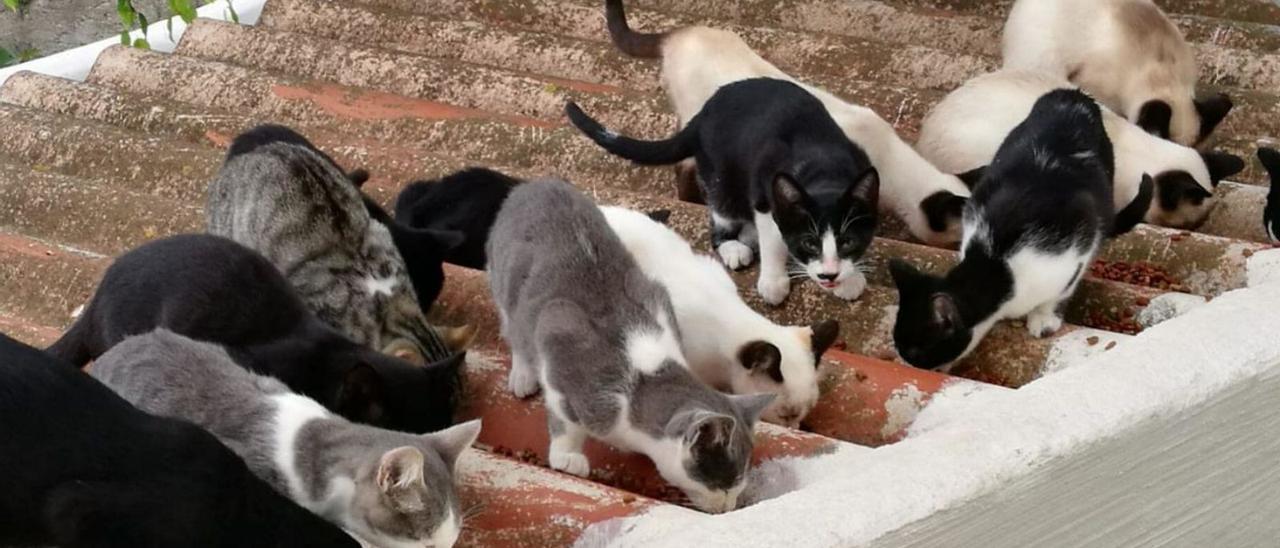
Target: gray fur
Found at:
300, 210
170, 375
570, 295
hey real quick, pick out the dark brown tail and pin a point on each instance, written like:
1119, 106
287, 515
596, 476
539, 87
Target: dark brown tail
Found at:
630, 42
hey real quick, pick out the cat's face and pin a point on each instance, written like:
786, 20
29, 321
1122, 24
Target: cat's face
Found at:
1270, 158
786, 366
407, 498
709, 459
828, 230
1186, 120
1181, 200
389, 393
929, 332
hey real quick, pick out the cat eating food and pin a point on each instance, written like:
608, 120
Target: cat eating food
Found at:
1037, 216
600, 338
389, 488
466, 202
301, 211
729, 346
213, 289
777, 171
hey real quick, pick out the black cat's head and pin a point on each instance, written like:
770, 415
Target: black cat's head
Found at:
827, 225
1189, 121
1270, 159
1181, 199
388, 392
930, 332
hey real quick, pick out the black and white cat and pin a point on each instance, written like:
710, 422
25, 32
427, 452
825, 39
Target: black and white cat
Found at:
777, 171
1126, 53
1270, 159
213, 289
390, 488
86, 469
601, 339
466, 202
1035, 221
963, 131
696, 61
729, 346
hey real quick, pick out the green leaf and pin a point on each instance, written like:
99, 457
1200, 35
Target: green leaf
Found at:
235, 17
124, 8
124, 37
169, 25
7, 58
141, 43
28, 54
12, 4
142, 23
184, 9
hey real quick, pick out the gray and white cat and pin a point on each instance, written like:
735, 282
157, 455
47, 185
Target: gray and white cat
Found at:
601, 339
390, 488
298, 208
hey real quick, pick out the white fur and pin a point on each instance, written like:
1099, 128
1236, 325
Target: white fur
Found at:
714, 323
648, 351
696, 61
965, 129
849, 283
374, 285
773, 284
292, 413
1113, 62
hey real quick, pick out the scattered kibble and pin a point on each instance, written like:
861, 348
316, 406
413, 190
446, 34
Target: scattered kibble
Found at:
628, 498
1248, 253
1092, 340
1139, 273
1110, 345
1142, 301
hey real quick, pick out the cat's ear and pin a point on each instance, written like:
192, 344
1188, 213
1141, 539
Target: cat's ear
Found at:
441, 241
402, 349
400, 477
787, 194
361, 394
866, 189
825, 334
1213, 111
458, 339
660, 216
710, 430
1221, 165
762, 357
451, 442
941, 207
906, 276
358, 176
970, 178
944, 315
752, 405
1155, 118
1270, 159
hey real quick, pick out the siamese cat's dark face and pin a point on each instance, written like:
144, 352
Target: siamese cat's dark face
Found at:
1271, 214
1181, 201
929, 332
827, 225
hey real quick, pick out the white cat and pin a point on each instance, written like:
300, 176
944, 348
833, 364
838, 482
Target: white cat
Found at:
727, 344
1126, 53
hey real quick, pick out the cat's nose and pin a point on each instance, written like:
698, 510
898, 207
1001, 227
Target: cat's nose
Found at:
828, 276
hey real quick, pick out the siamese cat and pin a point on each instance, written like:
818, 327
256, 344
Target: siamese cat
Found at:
696, 61
1037, 217
601, 339
1125, 53
963, 131
729, 346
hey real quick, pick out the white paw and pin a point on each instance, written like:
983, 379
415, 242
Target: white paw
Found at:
522, 380
852, 287
734, 254
1043, 324
773, 289
570, 463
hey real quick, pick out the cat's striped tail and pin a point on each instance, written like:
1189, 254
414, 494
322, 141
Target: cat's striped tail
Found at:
630, 42
650, 153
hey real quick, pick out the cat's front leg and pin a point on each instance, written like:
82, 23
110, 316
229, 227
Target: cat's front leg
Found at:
567, 438
726, 237
773, 284
1044, 320
523, 378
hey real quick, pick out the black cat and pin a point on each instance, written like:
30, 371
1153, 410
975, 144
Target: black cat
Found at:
1270, 159
212, 289
85, 468
466, 202
772, 163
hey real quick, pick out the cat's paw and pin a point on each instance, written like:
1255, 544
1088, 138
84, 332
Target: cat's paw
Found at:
1043, 324
773, 289
734, 254
522, 380
852, 287
570, 463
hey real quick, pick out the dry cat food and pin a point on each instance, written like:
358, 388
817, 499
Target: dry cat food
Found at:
1139, 273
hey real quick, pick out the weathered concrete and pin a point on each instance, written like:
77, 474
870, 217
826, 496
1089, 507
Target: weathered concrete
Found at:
41, 283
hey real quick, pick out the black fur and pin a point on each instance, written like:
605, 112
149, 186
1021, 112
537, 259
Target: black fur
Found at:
942, 209
662, 216
1052, 178
970, 178
765, 145
1212, 111
212, 289
1270, 159
630, 42
464, 203
83, 468
1155, 117
1132, 214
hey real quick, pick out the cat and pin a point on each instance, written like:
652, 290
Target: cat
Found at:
696, 61
389, 488
728, 345
85, 469
602, 341
1270, 159
963, 131
465, 202
301, 211
213, 289
1125, 53
1035, 221
776, 171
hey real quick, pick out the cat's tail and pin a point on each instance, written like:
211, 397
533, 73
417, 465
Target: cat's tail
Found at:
651, 153
73, 346
1132, 214
630, 42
